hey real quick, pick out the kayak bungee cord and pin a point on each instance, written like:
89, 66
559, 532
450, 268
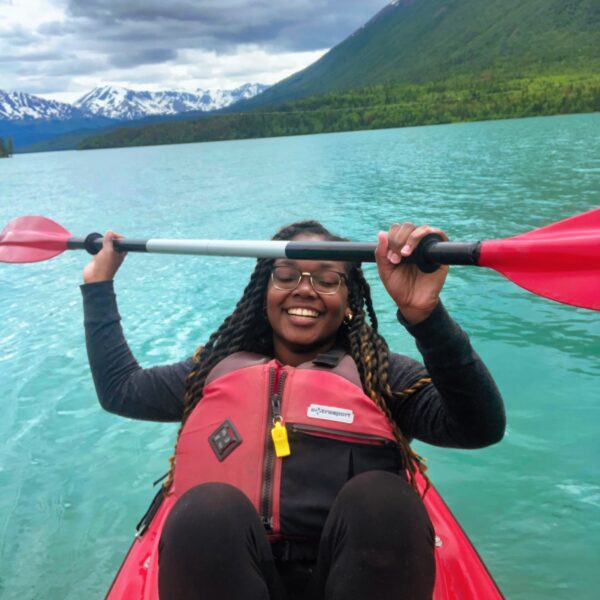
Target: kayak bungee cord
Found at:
560, 261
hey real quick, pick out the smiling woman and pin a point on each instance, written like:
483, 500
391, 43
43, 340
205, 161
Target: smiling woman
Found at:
306, 304
301, 420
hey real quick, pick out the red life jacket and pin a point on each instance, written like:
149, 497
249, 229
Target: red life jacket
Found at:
334, 430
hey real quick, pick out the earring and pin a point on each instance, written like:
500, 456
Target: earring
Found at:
348, 318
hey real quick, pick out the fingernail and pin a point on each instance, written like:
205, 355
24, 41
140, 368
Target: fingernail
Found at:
393, 257
405, 250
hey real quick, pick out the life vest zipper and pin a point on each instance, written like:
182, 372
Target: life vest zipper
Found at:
275, 393
338, 433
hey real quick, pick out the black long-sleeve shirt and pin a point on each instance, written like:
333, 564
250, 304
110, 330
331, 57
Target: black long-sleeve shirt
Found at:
462, 408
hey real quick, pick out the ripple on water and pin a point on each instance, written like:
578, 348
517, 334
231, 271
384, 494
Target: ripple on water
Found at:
75, 480
586, 493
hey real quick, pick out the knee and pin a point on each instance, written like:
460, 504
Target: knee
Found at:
209, 511
380, 505
379, 530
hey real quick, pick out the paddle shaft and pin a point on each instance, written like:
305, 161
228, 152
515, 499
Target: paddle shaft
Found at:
560, 261
430, 253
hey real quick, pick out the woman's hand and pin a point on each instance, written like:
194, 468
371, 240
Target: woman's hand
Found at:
105, 264
415, 293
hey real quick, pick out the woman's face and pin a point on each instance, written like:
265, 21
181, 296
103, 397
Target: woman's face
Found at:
305, 322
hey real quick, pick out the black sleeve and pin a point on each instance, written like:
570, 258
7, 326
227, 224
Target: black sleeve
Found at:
462, 407
122, 385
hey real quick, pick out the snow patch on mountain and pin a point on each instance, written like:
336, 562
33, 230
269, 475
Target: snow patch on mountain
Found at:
18, 106
121, 103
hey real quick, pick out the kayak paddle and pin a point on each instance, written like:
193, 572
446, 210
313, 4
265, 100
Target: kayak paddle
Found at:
560, 261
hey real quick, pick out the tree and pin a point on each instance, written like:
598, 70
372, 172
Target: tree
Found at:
9, 146
2, 149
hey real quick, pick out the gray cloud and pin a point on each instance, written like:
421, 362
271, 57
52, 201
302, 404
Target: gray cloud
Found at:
220, 24
143, 57
65, 67
98, 37
19, 36
47, 85
37, 57
57, 28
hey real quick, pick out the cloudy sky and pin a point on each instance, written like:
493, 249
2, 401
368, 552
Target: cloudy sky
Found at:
62, 49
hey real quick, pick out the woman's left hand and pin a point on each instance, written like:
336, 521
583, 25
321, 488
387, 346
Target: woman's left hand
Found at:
415, 293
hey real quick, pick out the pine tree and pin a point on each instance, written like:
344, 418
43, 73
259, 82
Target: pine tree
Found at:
9, 146
2, 149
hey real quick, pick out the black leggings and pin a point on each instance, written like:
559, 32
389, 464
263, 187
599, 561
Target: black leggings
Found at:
378, 542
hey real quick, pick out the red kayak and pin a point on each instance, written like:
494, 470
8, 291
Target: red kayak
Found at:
460, 572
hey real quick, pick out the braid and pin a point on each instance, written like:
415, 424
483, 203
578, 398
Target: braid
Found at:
244, 329
371, 355
247, 329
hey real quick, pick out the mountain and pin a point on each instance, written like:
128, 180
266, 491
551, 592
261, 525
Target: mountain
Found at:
126, 105
419, 62
120, 103
30, 119
17, 106
419, 41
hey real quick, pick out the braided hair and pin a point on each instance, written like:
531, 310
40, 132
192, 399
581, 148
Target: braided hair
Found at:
247, 329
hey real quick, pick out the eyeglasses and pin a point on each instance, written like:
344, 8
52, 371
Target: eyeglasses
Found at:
325, 282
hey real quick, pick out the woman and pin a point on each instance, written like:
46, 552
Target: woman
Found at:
344, 519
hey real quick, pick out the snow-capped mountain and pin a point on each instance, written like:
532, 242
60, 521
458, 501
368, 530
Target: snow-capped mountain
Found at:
30, 119
119, 103
124, 104
222, 98
17, 106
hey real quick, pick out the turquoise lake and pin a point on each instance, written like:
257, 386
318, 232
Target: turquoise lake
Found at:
75, 480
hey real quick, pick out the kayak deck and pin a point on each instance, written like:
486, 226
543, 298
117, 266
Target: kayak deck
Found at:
460, 572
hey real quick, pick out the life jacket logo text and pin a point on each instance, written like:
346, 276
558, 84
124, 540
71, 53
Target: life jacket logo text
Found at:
330, 413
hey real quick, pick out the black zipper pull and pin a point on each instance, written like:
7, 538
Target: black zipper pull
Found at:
267, 523
276, 405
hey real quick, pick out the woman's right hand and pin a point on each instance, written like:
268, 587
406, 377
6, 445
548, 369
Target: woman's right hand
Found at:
105, 264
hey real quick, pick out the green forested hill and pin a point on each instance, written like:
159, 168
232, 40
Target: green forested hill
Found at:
418, 41
421, 62
376, 107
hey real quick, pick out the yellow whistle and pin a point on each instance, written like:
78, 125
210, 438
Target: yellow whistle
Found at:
280, 440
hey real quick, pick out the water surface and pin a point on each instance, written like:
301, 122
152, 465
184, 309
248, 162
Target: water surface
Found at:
75, 480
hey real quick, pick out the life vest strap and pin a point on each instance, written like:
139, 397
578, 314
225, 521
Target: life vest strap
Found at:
330, 359
145, 521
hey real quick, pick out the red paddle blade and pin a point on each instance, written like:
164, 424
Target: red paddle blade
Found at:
32, 239
560, 261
